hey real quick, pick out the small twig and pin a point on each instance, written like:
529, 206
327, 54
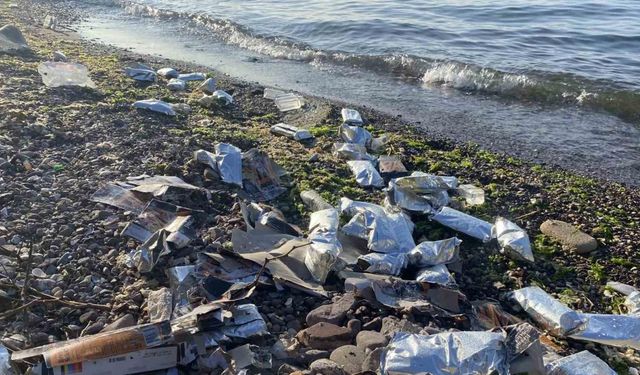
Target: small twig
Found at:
77, 304
27, 275
527, 215
10, 313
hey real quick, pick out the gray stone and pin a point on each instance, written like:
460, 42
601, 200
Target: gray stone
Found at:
334, 313
312, 355
391, 325
372, 360
369, 340
94, 328
88, 316
123, 322
324, 336
11, 38
325, 367
572, 238
349, 357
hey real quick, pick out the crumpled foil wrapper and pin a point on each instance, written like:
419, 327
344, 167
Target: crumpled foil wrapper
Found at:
550, 313
325, 247
387, 264
513, 239
615, 330
583, 363
436, 275
431, 253
464, 223
365, 173
451, 353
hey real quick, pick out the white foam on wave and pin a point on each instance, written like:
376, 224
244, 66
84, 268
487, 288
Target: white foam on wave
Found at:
464, 77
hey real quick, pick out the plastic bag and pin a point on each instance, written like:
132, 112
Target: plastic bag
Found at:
57, 74
156, 106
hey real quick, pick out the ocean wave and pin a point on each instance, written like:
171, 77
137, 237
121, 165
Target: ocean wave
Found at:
532, 87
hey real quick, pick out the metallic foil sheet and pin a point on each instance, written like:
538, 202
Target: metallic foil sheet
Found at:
386, 264
325, 247
431, 253
551, 314
436, 275
351, 151
614, 330
351, 116
365, 173
583, 363
451, 353
513, 239
228, 160
419, 192
293, 132
354, 134
464, 223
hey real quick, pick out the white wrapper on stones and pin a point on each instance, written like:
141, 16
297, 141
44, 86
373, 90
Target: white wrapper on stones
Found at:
351, 151
615, 330
223, 96
632, 302
365, 173
550, 313
513, 239
141, 74
325, 247
229, 163
291, 131
175, 84
355, 134
192, 77
464, 223
436, 275
419, 192
168, 73
351, 116
57, 74
386, 264
451, 353
156, 106
431, 253
582, 363
388, 231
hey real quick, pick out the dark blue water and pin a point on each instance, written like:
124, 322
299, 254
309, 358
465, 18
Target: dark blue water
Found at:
547, 80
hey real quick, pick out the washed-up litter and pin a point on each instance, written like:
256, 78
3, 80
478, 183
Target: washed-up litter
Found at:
161, 215
158, 186
218, 97
386, 264
263, 218
168, 73
57, 74
58, 56
451, 353
545, 310
314, 201
50, 22
271, 94
351, 151
208, 86
289, 102
192, 77
11, 39
232, 269
581, 363
351, 116
608, 329
176, 84
473, 195
250, 355
261, 176
402, 294
156, 106
325, 247
391, 167
182, 280
490, 315
141, 74
432, 253
464, 223
355, 134
512, 239
227, 162
365, 173
387, 231
121, 197
160, 305
436, 275
632, 300
5, 366
419, 192
291, 131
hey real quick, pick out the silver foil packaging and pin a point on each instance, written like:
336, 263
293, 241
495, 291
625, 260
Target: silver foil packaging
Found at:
464, 223
431, 253
513, 239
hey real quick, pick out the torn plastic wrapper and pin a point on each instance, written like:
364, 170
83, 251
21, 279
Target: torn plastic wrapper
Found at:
141, 74
388, 231
118, 196
431, 253
436, 275
250, 355
202, 318
464, 223
182, 280
351, 151
607, 329
168, 73
157, 215
261, 176
223, 97
160, 305
450, 353
419, 192
551, 314
265, 218
155, 106
57, 74
355, 134
228, 159
473, 195
192, 77
245, 321
581, 363
512, 239
325, 247
147, 255
365, 173
351, 116
175, 84
158, 186
386, 264
402, 294
293, 132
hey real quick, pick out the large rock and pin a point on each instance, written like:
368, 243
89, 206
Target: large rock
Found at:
11, 39
123, 322
325, 367
572, 238
333, 313
325, 336
349, 357
391, 325
369, 340
372, 360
